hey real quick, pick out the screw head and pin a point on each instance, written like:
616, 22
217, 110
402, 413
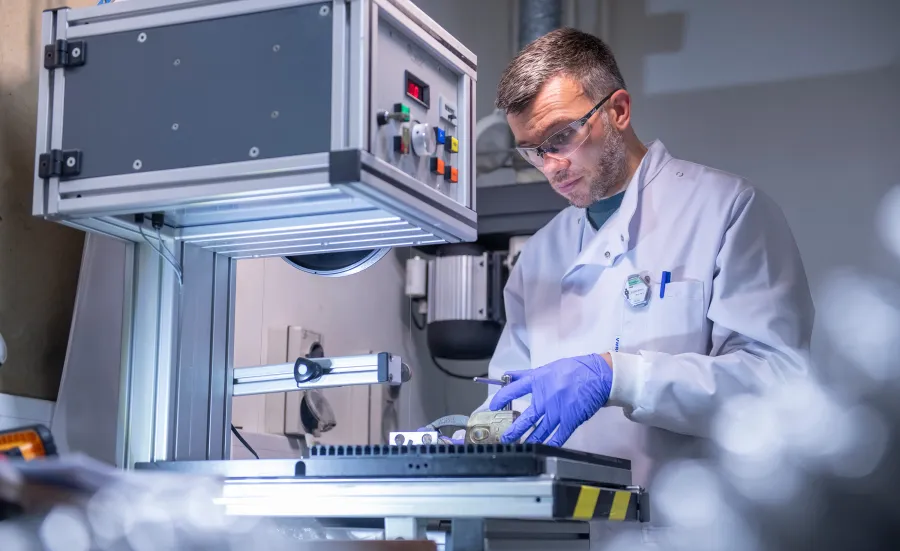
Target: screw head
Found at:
137, 164
76, 52
142, 37
276, 47
275, 114
254, 152
70, 162
177, 62
324, 10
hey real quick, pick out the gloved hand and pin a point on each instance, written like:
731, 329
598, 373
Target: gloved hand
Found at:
566, 393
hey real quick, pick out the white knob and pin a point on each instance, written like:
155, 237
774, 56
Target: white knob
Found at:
424, 142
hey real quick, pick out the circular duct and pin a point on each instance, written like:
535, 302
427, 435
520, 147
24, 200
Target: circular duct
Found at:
463, 339
336, 264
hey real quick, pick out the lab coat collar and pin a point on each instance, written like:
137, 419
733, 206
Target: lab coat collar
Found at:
602, 247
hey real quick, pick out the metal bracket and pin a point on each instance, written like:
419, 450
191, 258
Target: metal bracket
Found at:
63, 53
58, 163
314, 373
643, 505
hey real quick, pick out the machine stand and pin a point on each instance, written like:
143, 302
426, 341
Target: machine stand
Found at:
466, 534
404, 528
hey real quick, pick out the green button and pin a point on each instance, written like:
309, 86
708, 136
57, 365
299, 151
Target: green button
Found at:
400, 108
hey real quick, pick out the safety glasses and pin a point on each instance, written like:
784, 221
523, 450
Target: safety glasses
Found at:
563, 143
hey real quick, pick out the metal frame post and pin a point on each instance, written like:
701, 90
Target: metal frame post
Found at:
176, 384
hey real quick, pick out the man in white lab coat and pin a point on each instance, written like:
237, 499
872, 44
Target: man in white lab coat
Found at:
666, 289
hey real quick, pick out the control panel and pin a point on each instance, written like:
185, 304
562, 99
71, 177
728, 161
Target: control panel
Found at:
415, 102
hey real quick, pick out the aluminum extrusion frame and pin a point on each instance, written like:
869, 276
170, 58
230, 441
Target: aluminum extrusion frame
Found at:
369, 369
331, 201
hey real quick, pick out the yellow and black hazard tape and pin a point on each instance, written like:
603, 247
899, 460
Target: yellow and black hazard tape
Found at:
580, 502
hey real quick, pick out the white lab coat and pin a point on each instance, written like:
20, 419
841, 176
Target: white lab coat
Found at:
737, 315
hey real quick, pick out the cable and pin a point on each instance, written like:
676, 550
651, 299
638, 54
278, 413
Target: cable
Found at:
244, 442
162, 254
169, 254
449, 373
415, 319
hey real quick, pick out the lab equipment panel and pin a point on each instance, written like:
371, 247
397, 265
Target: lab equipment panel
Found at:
257, 127
418, 98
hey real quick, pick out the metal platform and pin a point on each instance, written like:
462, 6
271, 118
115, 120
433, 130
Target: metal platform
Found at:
551, 508
536, 513
270, 488
537, 498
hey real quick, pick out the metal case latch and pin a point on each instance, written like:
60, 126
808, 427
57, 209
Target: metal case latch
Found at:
63, 53
59, 163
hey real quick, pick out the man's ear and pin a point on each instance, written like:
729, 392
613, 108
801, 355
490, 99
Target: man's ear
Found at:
618, 107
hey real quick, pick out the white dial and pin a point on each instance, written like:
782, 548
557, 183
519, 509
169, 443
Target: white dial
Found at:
424, 143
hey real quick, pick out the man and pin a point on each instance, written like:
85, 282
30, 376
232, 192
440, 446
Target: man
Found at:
666, 288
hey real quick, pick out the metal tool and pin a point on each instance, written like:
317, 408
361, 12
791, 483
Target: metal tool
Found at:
505, 379
486, 427
410, 438
487, 381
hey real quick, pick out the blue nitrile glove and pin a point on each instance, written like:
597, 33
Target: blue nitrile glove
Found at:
566, 393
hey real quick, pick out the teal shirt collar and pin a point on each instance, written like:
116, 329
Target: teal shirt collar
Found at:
602, 210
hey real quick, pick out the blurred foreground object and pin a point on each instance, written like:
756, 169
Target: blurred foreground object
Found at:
75, 503
27, 443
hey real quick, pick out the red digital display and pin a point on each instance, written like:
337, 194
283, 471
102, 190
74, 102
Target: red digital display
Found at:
417, 90
413, 90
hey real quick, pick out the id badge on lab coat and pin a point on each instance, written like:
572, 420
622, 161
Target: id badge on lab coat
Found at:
637, 290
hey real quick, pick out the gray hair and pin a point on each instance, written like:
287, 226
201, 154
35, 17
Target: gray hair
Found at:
566, 51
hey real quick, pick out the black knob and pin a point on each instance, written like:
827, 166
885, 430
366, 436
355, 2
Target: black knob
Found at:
306, 370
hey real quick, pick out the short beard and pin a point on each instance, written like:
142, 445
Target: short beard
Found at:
611, 167
609, 171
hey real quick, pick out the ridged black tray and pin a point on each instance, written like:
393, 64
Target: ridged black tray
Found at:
437, 460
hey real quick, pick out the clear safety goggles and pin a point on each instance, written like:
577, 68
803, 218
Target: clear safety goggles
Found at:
565, 142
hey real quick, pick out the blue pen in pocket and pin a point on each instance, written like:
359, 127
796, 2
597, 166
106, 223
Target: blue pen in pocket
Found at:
666, 278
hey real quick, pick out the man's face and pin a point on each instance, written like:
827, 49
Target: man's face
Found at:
595, 169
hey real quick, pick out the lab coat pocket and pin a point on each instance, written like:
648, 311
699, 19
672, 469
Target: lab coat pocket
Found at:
676, 319
672, 324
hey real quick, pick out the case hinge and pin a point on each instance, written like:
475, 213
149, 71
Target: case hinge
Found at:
64, 54
59, 164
